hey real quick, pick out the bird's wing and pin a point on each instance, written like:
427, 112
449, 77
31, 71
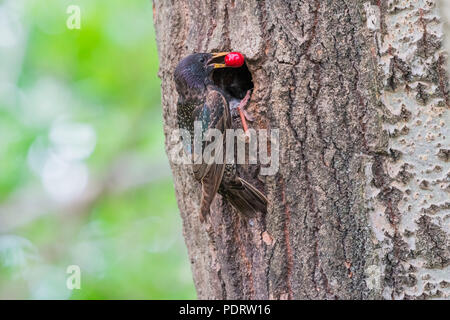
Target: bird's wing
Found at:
214, 114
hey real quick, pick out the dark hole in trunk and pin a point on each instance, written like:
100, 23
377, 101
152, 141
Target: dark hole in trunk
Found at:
233, 81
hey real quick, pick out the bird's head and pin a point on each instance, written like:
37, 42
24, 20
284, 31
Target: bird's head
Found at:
194, 71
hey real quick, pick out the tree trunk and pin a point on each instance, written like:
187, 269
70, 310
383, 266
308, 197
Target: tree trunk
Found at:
359, 208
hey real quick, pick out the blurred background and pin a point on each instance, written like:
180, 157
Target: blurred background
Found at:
84, 178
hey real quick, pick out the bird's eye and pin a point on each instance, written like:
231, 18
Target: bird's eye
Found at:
202, 59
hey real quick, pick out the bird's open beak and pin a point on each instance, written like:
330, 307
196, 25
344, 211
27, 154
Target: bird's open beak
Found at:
215, 56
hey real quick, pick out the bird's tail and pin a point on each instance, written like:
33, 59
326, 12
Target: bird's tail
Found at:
244, 197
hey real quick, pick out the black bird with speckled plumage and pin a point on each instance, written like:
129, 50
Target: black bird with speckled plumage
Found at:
201, 100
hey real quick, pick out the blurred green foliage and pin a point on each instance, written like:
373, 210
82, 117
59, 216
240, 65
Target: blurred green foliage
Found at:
84, 179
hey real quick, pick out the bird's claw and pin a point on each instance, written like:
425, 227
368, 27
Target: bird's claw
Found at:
236, 114
248, 116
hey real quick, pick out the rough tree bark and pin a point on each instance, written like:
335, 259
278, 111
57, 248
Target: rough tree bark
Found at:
359, 208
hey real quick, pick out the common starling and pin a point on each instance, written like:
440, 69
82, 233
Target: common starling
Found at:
200, 99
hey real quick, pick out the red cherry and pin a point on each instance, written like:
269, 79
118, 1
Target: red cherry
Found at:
234, 59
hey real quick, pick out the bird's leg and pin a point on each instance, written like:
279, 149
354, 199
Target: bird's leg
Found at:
244, 114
